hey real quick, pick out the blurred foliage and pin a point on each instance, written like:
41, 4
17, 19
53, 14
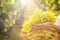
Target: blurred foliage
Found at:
8, 5
51, 4
0, 10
